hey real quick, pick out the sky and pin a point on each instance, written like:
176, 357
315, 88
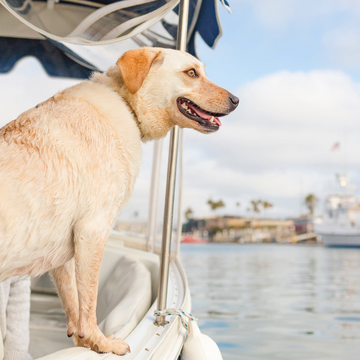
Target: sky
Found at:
295, 65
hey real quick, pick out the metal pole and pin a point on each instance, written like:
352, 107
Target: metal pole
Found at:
179, 230
181, 41
170, 181
154, 195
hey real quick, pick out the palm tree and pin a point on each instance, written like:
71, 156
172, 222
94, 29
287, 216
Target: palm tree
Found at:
214, 205
188, 214
267, 205
237, 204
255, 205
310, 202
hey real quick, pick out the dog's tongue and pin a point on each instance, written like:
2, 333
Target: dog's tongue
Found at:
217, 120
204, 115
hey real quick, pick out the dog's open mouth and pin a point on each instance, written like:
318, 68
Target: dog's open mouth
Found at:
203, 117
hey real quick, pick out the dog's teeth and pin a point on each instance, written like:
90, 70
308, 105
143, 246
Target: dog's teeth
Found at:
212, 120
183, 105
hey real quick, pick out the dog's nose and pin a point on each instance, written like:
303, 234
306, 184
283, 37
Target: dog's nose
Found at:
234, 100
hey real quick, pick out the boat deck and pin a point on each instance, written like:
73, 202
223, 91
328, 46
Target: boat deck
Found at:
48, 320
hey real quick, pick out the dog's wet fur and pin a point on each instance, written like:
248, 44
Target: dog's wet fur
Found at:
68, 166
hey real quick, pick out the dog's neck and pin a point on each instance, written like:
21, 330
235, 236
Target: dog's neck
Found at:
154, 123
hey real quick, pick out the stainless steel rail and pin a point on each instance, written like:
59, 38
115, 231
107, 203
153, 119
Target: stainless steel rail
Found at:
154, 195
180, 186
170, 181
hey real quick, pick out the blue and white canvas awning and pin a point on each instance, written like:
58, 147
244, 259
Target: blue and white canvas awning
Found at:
84, 35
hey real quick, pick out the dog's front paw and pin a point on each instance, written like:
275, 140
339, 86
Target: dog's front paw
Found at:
116, 345
101, 344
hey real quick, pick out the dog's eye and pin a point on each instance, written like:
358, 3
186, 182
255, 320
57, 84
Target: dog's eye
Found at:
192, 73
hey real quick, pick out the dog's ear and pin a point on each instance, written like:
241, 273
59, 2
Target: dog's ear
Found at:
134, 66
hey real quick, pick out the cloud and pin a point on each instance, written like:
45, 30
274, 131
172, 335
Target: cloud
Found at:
26, 86
277, 145
286, 120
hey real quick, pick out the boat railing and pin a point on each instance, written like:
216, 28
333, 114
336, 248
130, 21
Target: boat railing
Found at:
170, 182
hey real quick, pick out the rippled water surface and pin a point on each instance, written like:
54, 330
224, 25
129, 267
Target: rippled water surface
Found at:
269, 301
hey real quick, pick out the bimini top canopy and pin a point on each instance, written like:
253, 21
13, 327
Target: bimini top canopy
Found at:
95, 33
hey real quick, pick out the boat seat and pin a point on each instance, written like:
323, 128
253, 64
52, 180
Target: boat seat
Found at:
123, 300
125, 297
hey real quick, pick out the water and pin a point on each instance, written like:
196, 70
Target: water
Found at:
270, 301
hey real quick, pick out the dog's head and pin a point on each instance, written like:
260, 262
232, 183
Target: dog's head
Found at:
172, 86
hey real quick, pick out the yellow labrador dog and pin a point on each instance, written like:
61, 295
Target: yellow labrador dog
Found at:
68, 166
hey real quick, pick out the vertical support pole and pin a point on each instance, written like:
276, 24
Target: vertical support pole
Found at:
179, 230
154, 195
170, 181
167, 226
181, 40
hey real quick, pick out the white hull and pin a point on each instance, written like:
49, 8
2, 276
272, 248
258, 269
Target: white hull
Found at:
341, 240
339, 233
341, 221
335, 235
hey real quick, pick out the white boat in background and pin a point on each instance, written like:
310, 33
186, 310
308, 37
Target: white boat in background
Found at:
340, 225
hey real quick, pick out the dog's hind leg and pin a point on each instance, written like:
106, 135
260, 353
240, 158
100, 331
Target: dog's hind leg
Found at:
90, 241
65, 281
